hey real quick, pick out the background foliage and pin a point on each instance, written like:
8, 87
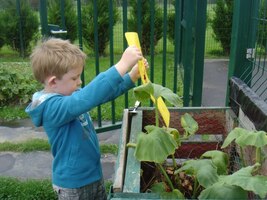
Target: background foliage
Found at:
103, 27
145, 21
17, 85
10, 25
54, 17
222, 23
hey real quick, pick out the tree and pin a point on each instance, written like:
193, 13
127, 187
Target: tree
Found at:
11, 26
222, 23
103, 25
54, 17
146, 23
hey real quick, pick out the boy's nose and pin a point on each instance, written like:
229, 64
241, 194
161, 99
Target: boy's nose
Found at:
79, 82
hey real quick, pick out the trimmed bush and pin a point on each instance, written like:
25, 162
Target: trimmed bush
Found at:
54, 17
145, 23
11, 26
222, 23
102, 24
17, 85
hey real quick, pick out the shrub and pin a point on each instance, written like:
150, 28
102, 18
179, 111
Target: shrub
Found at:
2, 35
222, 23
171, 26
145, 23
54, 17
11, 28
17, 85
102, 24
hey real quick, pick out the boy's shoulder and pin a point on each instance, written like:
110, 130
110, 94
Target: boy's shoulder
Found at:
41, 96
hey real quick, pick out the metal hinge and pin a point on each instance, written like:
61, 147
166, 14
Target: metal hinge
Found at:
250, 53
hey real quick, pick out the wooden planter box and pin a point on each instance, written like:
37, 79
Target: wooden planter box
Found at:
214, 125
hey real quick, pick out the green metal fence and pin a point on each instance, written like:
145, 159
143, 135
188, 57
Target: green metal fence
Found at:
173, 63
248, 47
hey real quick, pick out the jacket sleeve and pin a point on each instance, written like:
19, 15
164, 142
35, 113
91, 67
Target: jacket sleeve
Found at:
105, 87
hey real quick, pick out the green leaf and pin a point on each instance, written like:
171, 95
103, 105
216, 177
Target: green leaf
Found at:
252, 138
235, 133
155, 146
189, 124
175, 133
244, 179
223, 191
175, 194
144, 91
204, 170
160, 188
245, 137
167, 94
205, 137
219, 159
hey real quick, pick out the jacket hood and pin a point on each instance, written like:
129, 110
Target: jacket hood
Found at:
36, 107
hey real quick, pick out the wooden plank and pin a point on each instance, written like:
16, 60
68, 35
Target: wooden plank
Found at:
200, 138
121, 158
132, 173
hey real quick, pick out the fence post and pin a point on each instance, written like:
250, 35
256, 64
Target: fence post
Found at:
243, 37
79, 15
95, 18
177, 42
199, 52
43, 17
188, 46
165, 24
20, 28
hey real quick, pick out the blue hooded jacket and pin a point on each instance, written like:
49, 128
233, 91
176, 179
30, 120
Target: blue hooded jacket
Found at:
70, 130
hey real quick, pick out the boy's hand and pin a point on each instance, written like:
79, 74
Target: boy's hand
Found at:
129, 58
134, 73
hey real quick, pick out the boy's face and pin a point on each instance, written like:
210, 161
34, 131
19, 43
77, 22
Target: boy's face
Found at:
70, 82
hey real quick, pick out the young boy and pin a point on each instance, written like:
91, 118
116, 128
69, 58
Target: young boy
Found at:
62, 109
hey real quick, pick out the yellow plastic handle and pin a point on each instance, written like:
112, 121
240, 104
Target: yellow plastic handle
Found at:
133, 40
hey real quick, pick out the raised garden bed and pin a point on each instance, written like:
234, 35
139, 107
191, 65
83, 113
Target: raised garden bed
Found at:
131, 175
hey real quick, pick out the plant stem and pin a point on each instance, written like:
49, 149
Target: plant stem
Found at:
242, 157
174, 162
258, 155
133, 145
157, 112
195, 188
165, 175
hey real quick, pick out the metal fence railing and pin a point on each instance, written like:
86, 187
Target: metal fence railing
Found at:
257, 55
173, 64
248, 60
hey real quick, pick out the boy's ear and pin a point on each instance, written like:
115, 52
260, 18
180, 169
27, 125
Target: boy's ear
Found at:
52, 81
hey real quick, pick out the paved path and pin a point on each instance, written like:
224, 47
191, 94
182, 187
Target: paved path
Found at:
215, 82
38, 164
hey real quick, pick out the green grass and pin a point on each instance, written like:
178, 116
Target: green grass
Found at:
26, 146
12, 112
14, 189
43, 145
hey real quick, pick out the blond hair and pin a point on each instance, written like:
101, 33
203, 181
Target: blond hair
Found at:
55, 57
